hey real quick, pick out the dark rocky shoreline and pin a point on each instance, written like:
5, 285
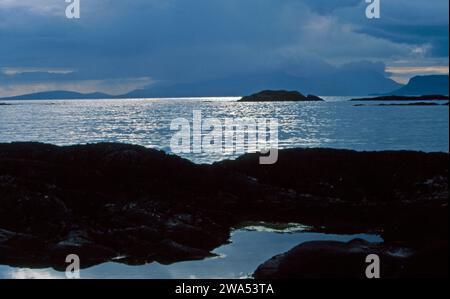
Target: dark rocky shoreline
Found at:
103, 201
339, 260
403, 104
403, 98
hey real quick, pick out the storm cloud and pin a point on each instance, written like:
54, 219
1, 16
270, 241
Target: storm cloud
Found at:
117, 46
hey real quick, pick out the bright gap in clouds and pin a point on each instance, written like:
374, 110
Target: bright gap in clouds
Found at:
11, 71
403, 74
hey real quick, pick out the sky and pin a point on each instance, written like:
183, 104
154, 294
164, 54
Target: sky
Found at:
117, 46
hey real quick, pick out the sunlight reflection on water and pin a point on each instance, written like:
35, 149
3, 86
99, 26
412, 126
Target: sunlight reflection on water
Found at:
249, 248
335, 123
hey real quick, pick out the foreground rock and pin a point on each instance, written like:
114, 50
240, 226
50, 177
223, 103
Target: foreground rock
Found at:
405, 98
279, 96
103, 201
403, 196
334, 260
402, 193
135, 205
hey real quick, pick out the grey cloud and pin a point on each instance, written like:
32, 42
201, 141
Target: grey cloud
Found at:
184, 41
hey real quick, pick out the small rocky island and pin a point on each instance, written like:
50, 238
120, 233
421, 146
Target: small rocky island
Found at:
279, 96
133, 205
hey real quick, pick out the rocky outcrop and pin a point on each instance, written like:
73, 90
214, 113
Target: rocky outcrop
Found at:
108, 200
313, 98
279, 96
351, 191
401, 195
404, 98
404, 104
136, 205
338, 260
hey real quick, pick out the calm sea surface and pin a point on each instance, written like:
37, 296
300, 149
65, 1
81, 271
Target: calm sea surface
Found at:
336, 123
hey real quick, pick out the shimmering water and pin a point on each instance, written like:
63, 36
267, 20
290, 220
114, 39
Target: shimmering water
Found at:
336, 123
239, 259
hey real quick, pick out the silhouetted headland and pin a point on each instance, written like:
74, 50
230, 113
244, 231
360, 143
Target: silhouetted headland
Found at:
405, 98
403, 104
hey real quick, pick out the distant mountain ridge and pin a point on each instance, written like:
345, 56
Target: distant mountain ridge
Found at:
328, 85
422, 85
60, 95
336, 83
339, 83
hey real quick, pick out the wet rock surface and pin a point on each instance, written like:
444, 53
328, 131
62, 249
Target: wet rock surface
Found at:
135, 205
337, 260
402, 193
112, 200
403, 196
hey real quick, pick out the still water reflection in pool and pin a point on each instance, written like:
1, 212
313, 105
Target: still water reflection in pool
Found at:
249, 247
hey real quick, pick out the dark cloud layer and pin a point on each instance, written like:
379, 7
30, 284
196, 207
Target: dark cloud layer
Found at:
192, 41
